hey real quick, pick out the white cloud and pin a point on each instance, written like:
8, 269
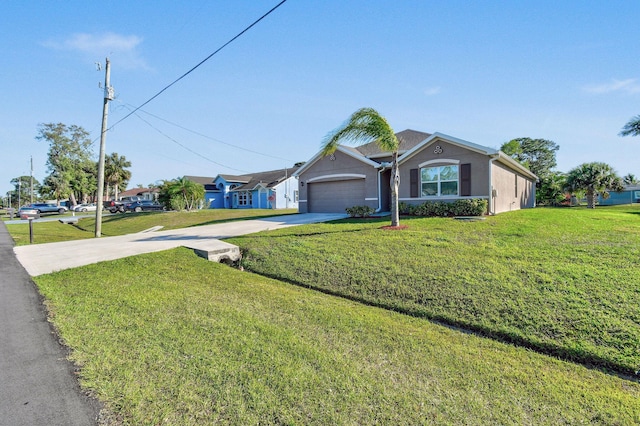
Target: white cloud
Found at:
432, 91
122, 48
628, 86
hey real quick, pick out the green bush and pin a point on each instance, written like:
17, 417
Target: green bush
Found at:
467, 207
359, 211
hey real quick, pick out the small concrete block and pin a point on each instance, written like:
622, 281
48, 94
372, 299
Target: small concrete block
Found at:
69, 220
217, 251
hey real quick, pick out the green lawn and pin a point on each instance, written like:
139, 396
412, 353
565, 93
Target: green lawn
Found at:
120, 224
563, 281
170, 338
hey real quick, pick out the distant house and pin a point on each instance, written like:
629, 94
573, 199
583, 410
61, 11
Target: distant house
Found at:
433, 167
212, 195
629, 195
275, 189
144, 193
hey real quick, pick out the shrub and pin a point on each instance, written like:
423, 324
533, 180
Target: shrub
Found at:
359, 211
467, 207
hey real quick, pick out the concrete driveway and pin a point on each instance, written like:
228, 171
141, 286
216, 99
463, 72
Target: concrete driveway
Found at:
41, 259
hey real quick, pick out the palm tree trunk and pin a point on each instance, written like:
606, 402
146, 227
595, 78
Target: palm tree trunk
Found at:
395, 183
591, 199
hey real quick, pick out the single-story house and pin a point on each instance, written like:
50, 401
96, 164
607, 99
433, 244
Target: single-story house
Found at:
433, 167
629, 195
274, 189
144, 193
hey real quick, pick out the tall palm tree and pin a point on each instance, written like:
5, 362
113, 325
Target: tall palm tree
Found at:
632, 128
115, 172
593, 178
364, 126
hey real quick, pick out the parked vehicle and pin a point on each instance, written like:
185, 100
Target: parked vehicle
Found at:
85, 207
120, 206
27, 212
48, 208
145, 205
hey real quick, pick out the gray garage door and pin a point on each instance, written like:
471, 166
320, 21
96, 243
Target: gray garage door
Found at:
334, 197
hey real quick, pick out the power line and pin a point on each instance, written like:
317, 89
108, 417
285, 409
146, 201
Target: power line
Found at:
213, 139
183, 146
200, 63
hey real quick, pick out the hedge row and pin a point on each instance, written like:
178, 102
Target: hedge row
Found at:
467, 207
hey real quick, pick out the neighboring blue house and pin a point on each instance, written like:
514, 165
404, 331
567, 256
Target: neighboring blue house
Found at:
275, 189
630, 194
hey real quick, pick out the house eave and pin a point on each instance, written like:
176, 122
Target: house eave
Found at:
341, 149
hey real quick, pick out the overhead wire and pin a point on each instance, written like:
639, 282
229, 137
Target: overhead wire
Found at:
214, 139
184, 146
200, 63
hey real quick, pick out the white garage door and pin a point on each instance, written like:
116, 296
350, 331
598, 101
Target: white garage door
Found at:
334, 197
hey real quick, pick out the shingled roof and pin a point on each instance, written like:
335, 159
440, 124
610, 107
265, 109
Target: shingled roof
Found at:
407, 138
268, 179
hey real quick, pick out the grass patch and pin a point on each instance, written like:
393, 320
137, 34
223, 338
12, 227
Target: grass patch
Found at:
563, 281
128, 223
174, 339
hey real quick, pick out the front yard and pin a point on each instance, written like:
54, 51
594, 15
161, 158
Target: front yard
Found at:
173, 339
563, 281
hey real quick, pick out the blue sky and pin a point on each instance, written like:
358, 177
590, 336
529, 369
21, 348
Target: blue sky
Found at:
483, 71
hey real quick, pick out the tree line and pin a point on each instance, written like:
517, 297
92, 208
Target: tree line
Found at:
73, 174
72, 169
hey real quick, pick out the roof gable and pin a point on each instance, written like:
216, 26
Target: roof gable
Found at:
446, 138
350, 151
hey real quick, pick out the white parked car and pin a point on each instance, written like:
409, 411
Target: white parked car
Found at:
85, 207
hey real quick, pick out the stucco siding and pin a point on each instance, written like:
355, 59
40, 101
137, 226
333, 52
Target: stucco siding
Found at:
336, 168
442, 156
512, 191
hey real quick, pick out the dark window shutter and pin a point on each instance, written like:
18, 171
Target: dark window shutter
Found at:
413, 182
465, 179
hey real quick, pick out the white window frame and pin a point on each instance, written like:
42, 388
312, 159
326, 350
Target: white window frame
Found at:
440, 181
245, 198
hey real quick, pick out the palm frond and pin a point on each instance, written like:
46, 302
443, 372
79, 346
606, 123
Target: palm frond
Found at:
632, 128
364, 126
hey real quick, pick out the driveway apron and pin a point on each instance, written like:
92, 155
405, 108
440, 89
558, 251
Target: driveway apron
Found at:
37, 383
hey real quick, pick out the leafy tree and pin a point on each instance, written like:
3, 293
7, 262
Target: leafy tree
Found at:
68, 159
630, 179
632, 128
21, 193
551, 191
364, 126
181, 194
593, 178
116, 173
538, 155
84, 181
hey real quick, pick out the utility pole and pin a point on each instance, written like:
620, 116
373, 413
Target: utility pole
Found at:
31, 186
108, 96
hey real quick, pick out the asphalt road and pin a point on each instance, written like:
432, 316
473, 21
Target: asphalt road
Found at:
38, 386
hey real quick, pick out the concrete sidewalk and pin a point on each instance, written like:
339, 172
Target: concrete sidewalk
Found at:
38, 386
41, 259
